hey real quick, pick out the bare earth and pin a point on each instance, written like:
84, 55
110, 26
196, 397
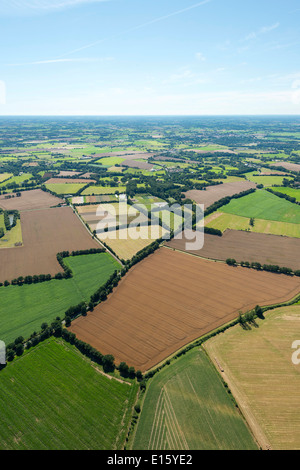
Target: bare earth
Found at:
140, 165
30, 200
45, 233
247, 246
170, 299
214, 193
288, 166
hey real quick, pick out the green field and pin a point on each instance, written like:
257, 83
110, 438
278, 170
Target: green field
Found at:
110, 161
52, 398
24, 308
293, 192
267, 180
264, 205
17, 179
262, 377
65, 188
223, 221
103, 190
186, 406
5, 176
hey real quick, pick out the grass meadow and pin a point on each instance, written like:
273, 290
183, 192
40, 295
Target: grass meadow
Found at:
53, 398
264, 205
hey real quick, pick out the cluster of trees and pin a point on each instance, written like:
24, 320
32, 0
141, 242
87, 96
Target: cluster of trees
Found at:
213, 231
9, 225
249, 317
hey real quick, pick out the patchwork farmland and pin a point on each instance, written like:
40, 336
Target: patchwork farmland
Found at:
24, 308
113, 215
170, 299
126, 340
45, 233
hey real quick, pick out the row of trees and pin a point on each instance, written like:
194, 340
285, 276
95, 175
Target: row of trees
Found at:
273, 268
56, 329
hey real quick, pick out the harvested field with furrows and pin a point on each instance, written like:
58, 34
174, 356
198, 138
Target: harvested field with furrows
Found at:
246, 246
135, 164
68, 173
45, 233
30, 200
215, 193
258, 368
170, 299
287, 165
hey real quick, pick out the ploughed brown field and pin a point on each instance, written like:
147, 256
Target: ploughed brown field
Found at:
68, 173
30, 200
45, 233
214, 193
170, 299
140, 165
288, 166
246, 246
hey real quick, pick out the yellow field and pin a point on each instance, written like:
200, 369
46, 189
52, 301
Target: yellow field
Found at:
259, 370
123, 243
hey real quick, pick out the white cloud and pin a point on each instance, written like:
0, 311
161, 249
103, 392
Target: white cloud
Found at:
178, 77
2, 92
39, 6
200, 56
57, 61
150, 102
261, 31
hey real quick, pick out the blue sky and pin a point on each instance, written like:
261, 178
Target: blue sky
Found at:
161, 57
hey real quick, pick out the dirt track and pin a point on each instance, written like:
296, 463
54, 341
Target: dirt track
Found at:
45, 233
247, 246
172, 298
